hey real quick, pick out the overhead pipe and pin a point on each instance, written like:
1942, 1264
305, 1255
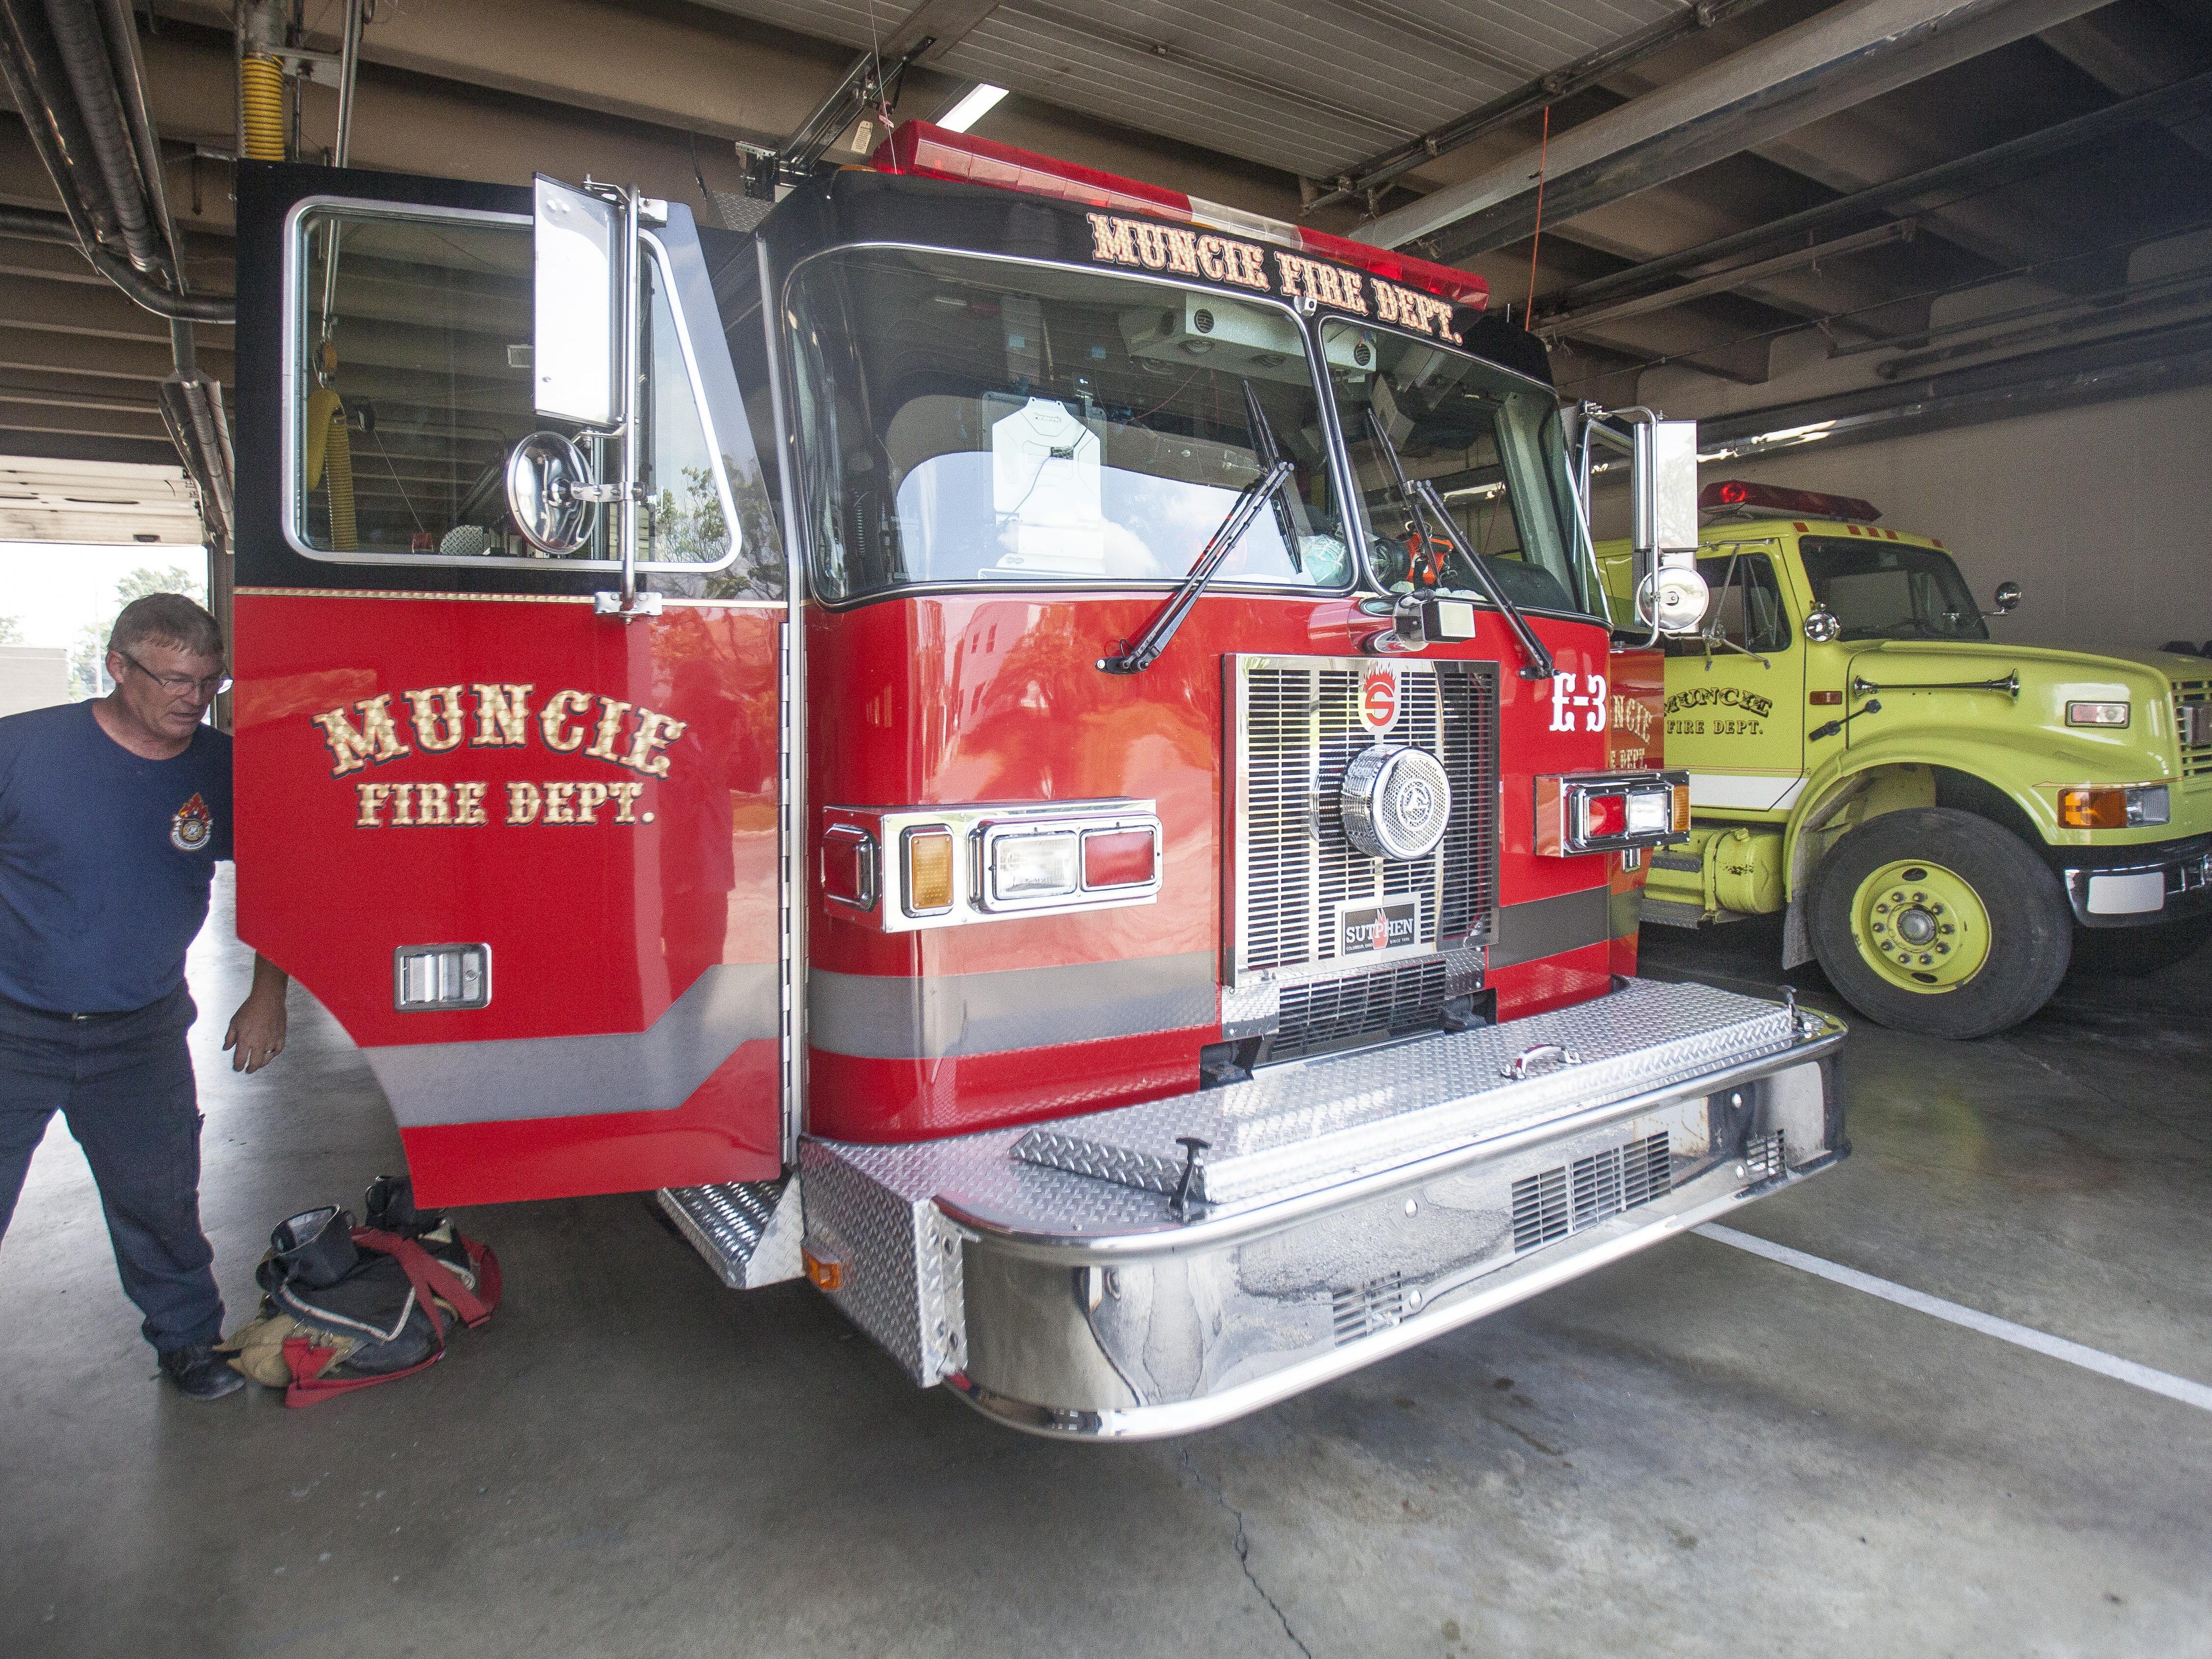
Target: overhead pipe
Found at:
43, 89
72, 66
121, 26
83, 50
349, 70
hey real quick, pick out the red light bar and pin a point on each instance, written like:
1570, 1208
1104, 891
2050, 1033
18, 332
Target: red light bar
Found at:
1738, 492
932, 152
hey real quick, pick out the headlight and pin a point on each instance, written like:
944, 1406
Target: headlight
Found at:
2096, 714
2132, 806
1032, 867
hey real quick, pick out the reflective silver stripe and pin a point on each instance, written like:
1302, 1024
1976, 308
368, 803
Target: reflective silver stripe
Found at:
893, 1017
1544, 927
1625, 909
650, 1071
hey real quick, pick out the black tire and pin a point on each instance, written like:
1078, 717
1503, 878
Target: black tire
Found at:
2139, 952
2031, 925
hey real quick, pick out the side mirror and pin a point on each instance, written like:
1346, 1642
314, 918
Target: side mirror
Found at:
1821, 626
546, 481
1663, 522
573, 358
2008, 598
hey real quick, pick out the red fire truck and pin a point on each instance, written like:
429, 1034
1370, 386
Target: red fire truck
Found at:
1045, 754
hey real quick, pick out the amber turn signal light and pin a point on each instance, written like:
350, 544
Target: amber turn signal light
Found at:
929, 871
824, 1275
2134, 806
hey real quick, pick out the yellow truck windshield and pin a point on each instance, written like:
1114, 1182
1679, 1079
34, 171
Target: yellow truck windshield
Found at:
1891, 590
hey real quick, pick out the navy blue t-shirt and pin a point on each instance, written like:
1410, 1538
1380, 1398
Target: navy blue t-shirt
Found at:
104, 861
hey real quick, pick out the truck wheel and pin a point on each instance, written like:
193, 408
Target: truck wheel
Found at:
1940, 922
2139, 952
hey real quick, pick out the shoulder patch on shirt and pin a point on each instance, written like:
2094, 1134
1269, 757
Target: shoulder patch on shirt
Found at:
190, 829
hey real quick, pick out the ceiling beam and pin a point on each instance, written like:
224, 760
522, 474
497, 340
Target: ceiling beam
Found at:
1840, 58
98, 357
1725, 282
1360, 181
2131, 51
1930, 184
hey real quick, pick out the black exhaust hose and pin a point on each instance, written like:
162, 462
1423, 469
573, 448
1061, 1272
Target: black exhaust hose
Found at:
83, 46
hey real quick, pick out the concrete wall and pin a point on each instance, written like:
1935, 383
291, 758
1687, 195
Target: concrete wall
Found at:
32, 676
2103, 514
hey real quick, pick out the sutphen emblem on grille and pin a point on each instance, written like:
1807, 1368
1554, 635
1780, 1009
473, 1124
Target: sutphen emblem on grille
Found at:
1395, 802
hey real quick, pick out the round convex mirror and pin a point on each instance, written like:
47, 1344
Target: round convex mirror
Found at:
543, 477
2007, 598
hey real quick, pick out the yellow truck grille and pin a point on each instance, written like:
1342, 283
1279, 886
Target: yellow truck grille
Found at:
2192, 719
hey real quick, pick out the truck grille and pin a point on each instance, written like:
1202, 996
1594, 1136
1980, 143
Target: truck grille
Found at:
1296, 728
2192, 718
1328, 1013
1549, 1206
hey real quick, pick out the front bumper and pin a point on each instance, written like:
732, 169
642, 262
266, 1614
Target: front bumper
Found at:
1353, 1206
2140, 886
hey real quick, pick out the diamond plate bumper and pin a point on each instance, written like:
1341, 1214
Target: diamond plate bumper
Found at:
1356, 1205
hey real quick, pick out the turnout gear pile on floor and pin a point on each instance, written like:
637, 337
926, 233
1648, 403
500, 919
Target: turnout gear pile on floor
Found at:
346, 1307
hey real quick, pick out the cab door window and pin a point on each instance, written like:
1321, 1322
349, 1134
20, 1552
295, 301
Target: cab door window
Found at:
1746, 611
408, 383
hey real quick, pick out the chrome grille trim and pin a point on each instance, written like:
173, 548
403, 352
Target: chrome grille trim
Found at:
1764, 1154
1360, 1310
1295, 727
1553, 1203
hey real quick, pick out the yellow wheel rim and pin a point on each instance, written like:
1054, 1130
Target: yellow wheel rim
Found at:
1922, 928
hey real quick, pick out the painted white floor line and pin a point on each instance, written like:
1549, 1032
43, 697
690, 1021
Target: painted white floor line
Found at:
2095, 1359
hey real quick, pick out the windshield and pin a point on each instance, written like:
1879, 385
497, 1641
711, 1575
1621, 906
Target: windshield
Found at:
1891, 590
1491, 443
974, 420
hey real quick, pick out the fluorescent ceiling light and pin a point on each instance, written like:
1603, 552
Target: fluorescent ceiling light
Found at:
974, 107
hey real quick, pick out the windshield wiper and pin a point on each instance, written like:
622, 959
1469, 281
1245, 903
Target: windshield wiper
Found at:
1219, 546
1269, 453
1422, 503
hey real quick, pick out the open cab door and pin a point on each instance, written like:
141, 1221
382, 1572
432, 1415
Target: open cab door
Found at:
508, 633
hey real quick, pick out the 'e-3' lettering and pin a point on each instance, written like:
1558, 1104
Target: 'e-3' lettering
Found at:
503, 718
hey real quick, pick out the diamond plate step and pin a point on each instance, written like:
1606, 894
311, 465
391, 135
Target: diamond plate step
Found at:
1324, 1120
748, 1230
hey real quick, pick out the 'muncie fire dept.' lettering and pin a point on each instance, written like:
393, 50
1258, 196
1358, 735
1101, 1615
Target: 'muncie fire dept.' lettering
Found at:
1181, 252
435, 720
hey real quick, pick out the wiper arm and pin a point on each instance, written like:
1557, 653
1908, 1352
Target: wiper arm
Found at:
1421, 502
1265, 447
1540, 665
1242, 511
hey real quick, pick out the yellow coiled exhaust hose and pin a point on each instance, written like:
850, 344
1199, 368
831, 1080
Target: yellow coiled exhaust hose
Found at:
261, 107
330, 464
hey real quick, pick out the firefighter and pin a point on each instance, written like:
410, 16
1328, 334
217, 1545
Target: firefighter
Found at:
112, 814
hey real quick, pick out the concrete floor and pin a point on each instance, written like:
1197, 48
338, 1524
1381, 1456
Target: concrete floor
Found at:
1691, 1452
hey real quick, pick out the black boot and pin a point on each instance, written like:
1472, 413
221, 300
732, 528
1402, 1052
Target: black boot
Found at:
200, 1373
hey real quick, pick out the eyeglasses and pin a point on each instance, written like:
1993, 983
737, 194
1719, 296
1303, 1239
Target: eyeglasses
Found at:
182, 685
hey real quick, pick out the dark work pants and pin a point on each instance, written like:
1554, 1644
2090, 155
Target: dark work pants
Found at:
123, 1083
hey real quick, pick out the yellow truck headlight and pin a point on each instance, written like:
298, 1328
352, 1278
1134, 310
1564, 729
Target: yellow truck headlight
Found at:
2132, 806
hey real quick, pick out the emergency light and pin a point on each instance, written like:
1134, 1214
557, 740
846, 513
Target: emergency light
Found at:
924, 151
1610, 811
1740, 492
